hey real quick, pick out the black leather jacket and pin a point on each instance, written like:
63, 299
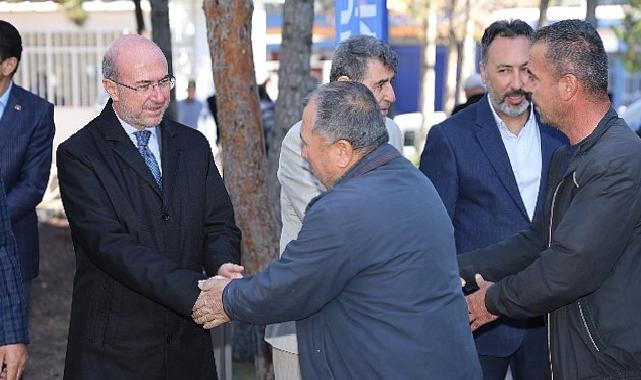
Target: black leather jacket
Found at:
580, 260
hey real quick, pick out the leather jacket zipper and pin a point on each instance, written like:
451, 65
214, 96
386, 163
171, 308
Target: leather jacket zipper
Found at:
549, 245
585, 324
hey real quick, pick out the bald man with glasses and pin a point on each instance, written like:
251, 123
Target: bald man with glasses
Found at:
149, 217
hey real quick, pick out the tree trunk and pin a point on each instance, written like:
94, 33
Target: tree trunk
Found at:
140, 21
590, 12
229, 37
452, 68
294, 82
543, 12
161, 35
428, 75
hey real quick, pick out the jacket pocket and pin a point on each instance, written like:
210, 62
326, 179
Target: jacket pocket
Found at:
101, 312
589, 327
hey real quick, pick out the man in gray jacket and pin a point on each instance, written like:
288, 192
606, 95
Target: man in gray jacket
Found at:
371, 279
580, 261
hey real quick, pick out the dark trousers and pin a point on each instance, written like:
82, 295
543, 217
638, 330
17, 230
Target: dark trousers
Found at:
529, 362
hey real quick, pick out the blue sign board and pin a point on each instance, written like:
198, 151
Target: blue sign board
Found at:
361, 17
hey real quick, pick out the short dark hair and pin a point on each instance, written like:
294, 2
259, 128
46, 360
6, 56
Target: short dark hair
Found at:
503, 28
10, 43
574, 47
352, 56
347, 110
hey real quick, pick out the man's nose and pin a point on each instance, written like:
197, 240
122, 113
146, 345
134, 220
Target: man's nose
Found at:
389, 94
159, 92
518, 80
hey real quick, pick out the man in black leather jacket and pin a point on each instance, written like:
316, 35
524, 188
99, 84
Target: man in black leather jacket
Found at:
580, 261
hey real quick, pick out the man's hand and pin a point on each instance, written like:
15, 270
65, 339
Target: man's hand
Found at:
231, 271
208, 309
478, 313
13, 358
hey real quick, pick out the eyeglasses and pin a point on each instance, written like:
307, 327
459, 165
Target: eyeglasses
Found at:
165, 83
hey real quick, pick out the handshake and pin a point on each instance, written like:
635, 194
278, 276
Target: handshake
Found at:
208, 309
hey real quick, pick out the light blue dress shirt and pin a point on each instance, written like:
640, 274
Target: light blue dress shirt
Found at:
524, 151
153, 144
4, 99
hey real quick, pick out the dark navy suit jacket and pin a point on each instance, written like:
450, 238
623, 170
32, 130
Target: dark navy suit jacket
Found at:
26, 136
465, 158
13, 321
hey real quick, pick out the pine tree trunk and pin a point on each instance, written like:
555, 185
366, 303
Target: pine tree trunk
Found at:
294, 82
161, 35
229, 37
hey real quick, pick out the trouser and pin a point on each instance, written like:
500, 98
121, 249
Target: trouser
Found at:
529, 362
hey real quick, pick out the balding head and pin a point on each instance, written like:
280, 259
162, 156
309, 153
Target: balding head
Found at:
127, 49
137, 80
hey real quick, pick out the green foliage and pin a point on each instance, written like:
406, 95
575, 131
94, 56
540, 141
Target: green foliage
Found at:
630, 34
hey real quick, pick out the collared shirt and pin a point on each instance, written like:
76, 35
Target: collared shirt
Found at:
153, 145
4, 99
524, 151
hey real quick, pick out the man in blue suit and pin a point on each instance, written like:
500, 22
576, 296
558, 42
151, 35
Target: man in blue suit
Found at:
489, 163
26, 136
13, 322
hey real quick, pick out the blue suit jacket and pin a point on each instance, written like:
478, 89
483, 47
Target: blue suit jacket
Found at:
13, 322
374, 296
26, 136
465, 158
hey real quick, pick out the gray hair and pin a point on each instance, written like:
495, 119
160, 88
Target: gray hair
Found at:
353, 55
109, 67
347, 110
574, 47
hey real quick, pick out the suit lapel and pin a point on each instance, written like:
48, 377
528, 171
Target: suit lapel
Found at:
11, 118
124, 148
489, 138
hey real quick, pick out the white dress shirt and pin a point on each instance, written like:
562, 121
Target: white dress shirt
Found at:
153, 144
524, 151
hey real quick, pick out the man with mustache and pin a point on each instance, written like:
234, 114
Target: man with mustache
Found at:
489, 163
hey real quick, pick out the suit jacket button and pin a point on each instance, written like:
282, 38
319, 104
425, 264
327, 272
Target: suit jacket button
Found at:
168, 339
165, 216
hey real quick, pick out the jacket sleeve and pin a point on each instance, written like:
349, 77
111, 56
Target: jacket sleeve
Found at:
297, 182
587, 243
25, 195
223, 236
13, 321
97, 230
312, 271
438, 163
298, 186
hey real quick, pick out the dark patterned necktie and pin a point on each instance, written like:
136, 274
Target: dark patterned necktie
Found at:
142, 137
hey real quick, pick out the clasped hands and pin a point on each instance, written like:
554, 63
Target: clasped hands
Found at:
208, 309
476, 309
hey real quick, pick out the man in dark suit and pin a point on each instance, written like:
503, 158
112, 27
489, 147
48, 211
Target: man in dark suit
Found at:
489, 163
13, 321
26, 136
149, 217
